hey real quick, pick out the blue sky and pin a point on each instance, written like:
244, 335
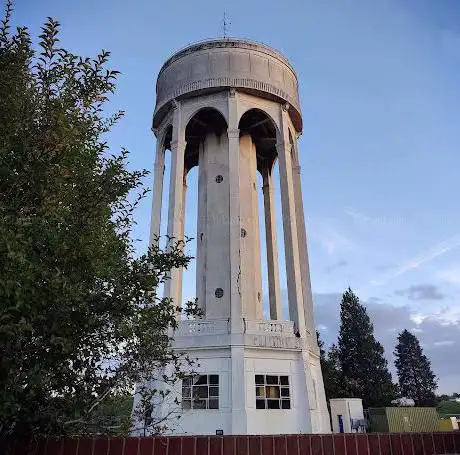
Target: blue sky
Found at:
380, 92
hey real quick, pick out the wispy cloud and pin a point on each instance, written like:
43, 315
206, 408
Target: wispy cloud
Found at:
357, 216
330, 239
451, 275
417, 261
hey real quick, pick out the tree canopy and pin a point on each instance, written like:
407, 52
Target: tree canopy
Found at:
330, 368
363, 367
416, 379
80, 320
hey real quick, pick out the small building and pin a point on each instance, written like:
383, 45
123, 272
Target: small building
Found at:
403, 420
347, 415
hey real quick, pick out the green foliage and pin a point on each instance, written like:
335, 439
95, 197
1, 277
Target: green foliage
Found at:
447, 408
416, 379
363, 367
330, 368
79, 317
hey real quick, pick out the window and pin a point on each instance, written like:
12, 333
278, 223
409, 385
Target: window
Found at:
272, 392
200, 392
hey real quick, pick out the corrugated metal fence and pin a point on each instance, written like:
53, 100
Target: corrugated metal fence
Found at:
350, 444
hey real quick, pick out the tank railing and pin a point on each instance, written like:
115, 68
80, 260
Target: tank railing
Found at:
282, 328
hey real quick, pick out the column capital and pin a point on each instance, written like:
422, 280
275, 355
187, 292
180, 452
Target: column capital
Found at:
178, 143
233, 133
286, 107
232, 92
174, 104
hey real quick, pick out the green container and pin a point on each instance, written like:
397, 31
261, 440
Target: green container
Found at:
403, 420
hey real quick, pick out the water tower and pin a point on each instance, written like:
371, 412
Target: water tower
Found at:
231, 107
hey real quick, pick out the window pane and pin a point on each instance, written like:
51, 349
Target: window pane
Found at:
272, 391
272, 379
284, 391
213, 391
285, 404
260, 404
185, 392
200, 391
199, 404
273, 404
260, 391
214, 379
186, 404
284, 380
213, 404
200, 380
259, 379
187, 381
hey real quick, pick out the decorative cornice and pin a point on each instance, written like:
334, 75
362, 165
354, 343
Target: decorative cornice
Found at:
254, 84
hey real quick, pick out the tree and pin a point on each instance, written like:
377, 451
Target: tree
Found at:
330, 368
416, 379
80, 321
364, 369
448, 408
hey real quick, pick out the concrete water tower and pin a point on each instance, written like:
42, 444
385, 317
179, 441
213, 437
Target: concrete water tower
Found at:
231, 107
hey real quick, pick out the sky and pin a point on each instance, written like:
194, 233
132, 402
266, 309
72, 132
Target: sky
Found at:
380, 95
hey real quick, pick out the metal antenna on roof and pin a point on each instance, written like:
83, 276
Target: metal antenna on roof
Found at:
225, 24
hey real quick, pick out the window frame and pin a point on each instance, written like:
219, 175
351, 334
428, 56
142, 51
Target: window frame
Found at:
200, 392
273, 391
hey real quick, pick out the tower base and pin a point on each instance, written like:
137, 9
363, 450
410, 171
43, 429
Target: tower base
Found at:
269, 382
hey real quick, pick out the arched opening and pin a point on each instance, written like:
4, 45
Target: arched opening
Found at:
258, 137
206, 179
206, 121
190, 223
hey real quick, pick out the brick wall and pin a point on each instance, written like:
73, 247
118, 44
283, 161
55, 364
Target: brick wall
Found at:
353, 444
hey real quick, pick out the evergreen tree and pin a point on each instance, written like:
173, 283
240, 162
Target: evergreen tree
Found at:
364, 369
330, 369
416, 379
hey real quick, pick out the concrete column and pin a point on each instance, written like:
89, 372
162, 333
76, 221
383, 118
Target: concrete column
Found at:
276, 312
238, 377
303, 249
234, 224
173, 286
291, 246
157, 196
251, 277
217, 252
238, 391
182, 237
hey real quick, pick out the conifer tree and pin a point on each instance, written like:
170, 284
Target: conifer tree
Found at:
364, 369
330, 369
416, 379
